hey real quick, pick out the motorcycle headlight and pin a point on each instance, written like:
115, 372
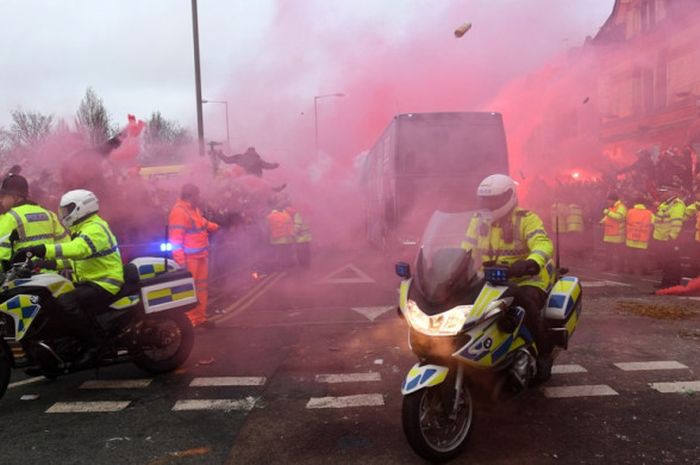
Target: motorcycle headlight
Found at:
448, 323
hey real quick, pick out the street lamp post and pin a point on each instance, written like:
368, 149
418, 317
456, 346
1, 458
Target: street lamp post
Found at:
197, 78
316, 99
228, 136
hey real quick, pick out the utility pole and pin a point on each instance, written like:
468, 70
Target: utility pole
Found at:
197, 79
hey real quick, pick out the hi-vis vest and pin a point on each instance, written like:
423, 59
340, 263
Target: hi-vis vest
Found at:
94, 254
560, 212
281, 226
518, 236
574, 218
692, 210
27, 225
639, 224
614, 223
188, 231
302, 232
668, 220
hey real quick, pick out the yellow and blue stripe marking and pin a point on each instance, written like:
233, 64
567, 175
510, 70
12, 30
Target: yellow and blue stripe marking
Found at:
171, 294
23, 310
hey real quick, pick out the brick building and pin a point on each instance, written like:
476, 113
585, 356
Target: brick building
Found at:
649, 82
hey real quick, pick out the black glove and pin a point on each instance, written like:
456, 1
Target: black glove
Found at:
524, 268
38, 251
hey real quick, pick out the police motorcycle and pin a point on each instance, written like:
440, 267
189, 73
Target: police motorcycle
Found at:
146, 323
468, 335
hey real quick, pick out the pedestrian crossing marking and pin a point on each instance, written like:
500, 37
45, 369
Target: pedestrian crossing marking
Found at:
371, 313
348, 274
567, 369
227, 405
604, 283
677, 386
594, 390
116, 383
642, 366
228, 381
360, 400
349, 378
88, 407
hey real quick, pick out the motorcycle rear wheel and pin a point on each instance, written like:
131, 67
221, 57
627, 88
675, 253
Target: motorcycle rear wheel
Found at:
5, 368
175, 327
423, 416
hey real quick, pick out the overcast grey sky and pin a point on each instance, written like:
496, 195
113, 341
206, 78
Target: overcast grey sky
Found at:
137, 55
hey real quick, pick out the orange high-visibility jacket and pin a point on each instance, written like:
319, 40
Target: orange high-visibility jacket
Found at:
281, 226
639, 226
188, 231
614, 222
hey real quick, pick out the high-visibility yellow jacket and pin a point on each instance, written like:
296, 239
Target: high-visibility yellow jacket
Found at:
518, 236
574, 218
668, 220
614, 222
639, 225
560, 212
26, 225
94, 254
692, 211
302, 232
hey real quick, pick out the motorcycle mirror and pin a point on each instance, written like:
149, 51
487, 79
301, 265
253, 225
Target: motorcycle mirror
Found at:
403, 270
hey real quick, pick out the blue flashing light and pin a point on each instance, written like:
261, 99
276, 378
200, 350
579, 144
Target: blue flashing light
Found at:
403, 270
166, 247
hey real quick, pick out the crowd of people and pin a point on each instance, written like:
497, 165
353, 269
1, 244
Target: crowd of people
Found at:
640, 219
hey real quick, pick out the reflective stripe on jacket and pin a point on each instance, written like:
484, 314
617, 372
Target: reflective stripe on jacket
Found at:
281, 227
614, 223
523, 237
639, 225
574, 219
668, 220
27, 225
188, 231
94, 253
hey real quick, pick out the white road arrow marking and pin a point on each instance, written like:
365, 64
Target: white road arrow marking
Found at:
360, 277
371, 313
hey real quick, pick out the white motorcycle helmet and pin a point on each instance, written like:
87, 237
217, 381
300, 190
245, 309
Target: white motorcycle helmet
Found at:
77, 205
497, 194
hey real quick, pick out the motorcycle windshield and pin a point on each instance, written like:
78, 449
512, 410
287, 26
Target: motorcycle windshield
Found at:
446, 263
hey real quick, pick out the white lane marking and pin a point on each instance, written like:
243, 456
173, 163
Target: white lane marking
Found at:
88, 407
25, 381
371, 313
116, 383
579, 391
227, 405
360, 276
349, 378
566, 369
605, 283
360, 400
228, 381
677, 386
660, 365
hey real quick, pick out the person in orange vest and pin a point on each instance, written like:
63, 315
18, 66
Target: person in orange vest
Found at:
614, 217
188, 233
280, 225
638, 227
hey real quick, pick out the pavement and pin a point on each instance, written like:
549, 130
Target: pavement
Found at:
305, 367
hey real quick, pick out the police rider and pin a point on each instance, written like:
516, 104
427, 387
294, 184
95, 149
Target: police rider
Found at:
509, 235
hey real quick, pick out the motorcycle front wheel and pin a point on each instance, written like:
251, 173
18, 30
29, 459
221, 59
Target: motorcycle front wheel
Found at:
5, 368
435, 434
165, 342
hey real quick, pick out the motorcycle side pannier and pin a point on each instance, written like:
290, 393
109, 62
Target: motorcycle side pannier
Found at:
564, 300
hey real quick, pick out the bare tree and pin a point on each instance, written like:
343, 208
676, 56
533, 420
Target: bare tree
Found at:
29, 128
164, 131
92, 118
